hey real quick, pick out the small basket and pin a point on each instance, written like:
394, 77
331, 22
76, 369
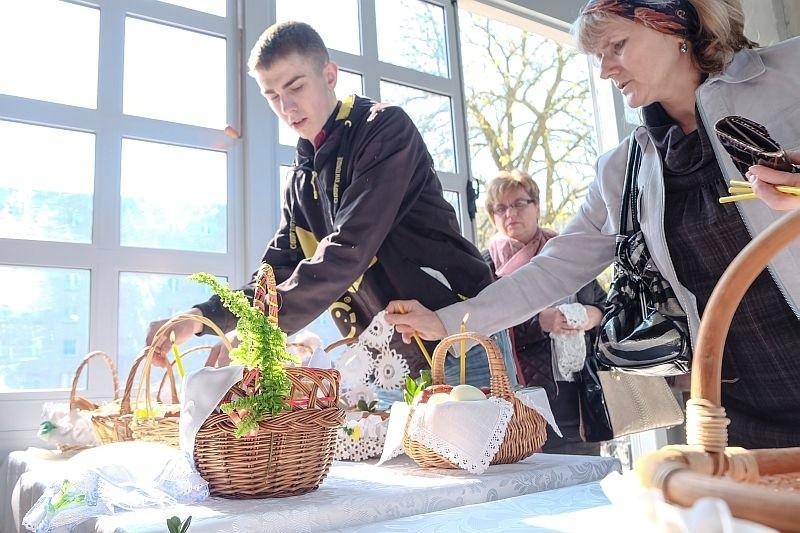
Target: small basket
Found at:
105, 425
351, 447
758, 485
526, 431
161, 421
292, 451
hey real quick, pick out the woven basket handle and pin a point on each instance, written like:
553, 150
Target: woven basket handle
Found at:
498, 379
73, 398
147, 354
725, 299
266, 293
347, 341
172, 363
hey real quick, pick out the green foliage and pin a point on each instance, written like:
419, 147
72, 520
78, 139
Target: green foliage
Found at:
263, 347
529, 107
66, 498
174, 525
363, 406
415, 386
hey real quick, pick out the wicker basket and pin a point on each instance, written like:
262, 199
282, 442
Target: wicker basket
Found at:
292, 451
759, 485
365, 446
526, 431
161, 420
104, 424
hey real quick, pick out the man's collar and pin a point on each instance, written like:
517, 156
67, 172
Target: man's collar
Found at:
340, 112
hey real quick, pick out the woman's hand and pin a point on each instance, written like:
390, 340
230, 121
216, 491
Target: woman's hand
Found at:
764, 180
183, 332
410, 316
551, 320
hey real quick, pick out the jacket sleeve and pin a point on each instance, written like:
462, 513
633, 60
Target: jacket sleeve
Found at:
567, 262
389, 163
593, 294
279, 254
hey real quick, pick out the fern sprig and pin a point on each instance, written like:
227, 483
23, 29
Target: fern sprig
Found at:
262, 347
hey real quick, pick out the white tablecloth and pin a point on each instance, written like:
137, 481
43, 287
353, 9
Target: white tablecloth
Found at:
579, 508
353, 494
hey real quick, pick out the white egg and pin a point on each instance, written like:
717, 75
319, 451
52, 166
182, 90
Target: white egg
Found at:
466, 393
439, 397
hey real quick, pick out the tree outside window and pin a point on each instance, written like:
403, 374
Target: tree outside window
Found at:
529, 107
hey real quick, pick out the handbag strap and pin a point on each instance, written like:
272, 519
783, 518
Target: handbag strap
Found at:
630, 189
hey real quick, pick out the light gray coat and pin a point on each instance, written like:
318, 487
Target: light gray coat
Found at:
762, 85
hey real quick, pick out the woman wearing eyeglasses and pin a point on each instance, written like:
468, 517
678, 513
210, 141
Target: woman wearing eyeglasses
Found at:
686, 64
550, 346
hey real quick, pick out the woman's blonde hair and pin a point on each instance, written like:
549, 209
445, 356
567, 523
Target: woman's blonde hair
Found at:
721, 33
509, 180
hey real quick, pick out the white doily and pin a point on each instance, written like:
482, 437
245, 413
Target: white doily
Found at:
356, 364
391, 370
466, 433
378, 334
371, 363
359, 392
569, 349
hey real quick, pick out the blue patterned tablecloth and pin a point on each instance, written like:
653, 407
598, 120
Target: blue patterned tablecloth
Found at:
353, 494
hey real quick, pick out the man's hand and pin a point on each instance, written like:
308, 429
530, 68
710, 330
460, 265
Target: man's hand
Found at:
183, 332
219, 355
409, 317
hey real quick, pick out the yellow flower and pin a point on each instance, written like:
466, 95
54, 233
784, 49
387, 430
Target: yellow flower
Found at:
356, 433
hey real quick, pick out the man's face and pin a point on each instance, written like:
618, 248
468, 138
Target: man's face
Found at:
300, 92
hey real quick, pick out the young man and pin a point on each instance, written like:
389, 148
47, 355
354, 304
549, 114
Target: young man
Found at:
364, 220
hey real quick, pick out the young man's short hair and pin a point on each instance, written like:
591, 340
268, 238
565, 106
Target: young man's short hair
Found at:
286, 38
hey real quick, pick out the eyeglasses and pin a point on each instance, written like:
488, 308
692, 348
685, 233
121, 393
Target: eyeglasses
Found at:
519, 205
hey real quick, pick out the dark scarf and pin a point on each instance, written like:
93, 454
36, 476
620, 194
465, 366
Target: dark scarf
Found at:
673, 17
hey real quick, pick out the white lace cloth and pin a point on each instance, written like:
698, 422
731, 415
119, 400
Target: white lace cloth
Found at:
116, 477
569, 349
466, 433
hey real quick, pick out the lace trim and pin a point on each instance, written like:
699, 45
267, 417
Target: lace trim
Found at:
451, 452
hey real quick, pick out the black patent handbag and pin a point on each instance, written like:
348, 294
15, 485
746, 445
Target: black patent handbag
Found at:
749, 143
644, 330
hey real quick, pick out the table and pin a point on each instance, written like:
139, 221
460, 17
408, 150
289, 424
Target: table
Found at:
576, 509
353, 494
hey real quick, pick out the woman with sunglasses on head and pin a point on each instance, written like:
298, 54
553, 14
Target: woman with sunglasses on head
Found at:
550, 346
686, 64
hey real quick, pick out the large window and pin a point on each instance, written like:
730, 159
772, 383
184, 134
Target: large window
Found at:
116, 181
127, 162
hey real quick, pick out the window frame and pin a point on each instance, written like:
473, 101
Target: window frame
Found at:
104, 257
